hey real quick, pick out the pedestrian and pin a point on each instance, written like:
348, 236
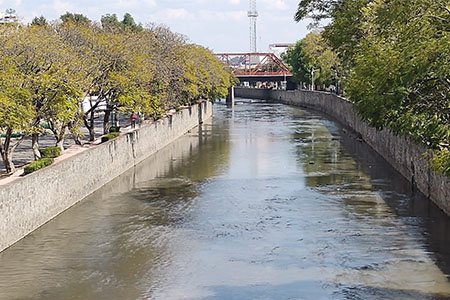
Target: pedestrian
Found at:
139, 119
133, 118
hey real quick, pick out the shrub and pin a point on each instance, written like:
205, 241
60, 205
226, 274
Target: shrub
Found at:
441, 162
50, 152
39, 164
110, 136
114, 129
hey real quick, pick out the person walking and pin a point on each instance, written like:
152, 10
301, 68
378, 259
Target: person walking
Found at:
133, 118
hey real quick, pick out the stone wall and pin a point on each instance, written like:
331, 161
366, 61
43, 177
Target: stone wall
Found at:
29, 202
406, 156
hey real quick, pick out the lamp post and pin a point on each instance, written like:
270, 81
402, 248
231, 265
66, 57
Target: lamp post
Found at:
313, 71
336, 78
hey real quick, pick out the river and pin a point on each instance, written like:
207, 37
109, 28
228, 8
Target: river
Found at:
264, 201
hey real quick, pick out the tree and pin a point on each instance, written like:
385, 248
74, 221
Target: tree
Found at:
344, 31
111, 22
39, 21
75, 18
47, 70
317, 10
129, 23
16, 114
298, 63
313, 52
50, 74
16, 111
395, 55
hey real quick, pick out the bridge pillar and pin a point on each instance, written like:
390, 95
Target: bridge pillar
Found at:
230, 97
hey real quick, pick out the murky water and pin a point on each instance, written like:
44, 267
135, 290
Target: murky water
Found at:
265, 202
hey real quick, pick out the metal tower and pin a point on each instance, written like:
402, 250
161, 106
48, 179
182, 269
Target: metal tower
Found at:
253, 16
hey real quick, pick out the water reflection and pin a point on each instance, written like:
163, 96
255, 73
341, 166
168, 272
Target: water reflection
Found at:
266, 202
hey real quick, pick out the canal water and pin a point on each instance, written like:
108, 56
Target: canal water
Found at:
265, 201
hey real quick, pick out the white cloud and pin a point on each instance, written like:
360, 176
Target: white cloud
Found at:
218, 24
275, 4
236, 15
172, 14
134, 4
61, 7
178, 14
12, 4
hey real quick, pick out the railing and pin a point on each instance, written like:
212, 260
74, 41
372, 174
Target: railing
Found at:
255, 64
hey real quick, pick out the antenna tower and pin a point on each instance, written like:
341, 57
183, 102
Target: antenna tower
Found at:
253, 16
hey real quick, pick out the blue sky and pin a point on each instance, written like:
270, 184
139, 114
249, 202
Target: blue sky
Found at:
221, 25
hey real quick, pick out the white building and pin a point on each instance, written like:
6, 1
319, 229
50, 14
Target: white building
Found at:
89, 102
9, 16
280, 49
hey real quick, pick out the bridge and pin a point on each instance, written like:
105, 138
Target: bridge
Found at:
256, 67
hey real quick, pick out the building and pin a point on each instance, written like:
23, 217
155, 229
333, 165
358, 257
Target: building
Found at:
280, 49
9, 16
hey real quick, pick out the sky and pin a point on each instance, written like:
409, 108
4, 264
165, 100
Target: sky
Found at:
220, 25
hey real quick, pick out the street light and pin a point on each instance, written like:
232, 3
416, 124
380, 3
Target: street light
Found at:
313, 71
336, 78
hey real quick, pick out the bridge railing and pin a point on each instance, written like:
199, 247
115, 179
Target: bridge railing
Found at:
255, 64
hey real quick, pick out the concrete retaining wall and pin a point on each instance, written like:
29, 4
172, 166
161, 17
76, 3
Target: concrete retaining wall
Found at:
403, 154
29, 202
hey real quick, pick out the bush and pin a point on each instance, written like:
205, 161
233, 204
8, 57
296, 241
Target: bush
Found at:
110, 136
39, 164
114, 129
441, 162
50, 152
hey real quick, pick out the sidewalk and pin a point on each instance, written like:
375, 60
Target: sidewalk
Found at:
24, 154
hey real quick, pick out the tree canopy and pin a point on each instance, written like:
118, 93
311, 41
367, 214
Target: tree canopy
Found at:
47, 70
395, 55
313, 52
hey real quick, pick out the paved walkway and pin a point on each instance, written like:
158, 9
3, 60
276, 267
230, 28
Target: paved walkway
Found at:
24, 154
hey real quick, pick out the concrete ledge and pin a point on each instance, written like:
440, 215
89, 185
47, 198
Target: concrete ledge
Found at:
406, 156
29, 202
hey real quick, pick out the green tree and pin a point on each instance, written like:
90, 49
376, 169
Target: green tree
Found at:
16, 112
298, 63
110, 21
53, 77
75, 18
313, 52
39, 21
395, 55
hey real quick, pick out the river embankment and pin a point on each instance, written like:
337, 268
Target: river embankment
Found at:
409, 158
28, 202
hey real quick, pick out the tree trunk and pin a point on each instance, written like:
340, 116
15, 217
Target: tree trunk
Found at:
6, 156
90, 125
116, 118
60, 138
10, 165
74, 132
106, 123
35, 146
5, 160
76, 139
